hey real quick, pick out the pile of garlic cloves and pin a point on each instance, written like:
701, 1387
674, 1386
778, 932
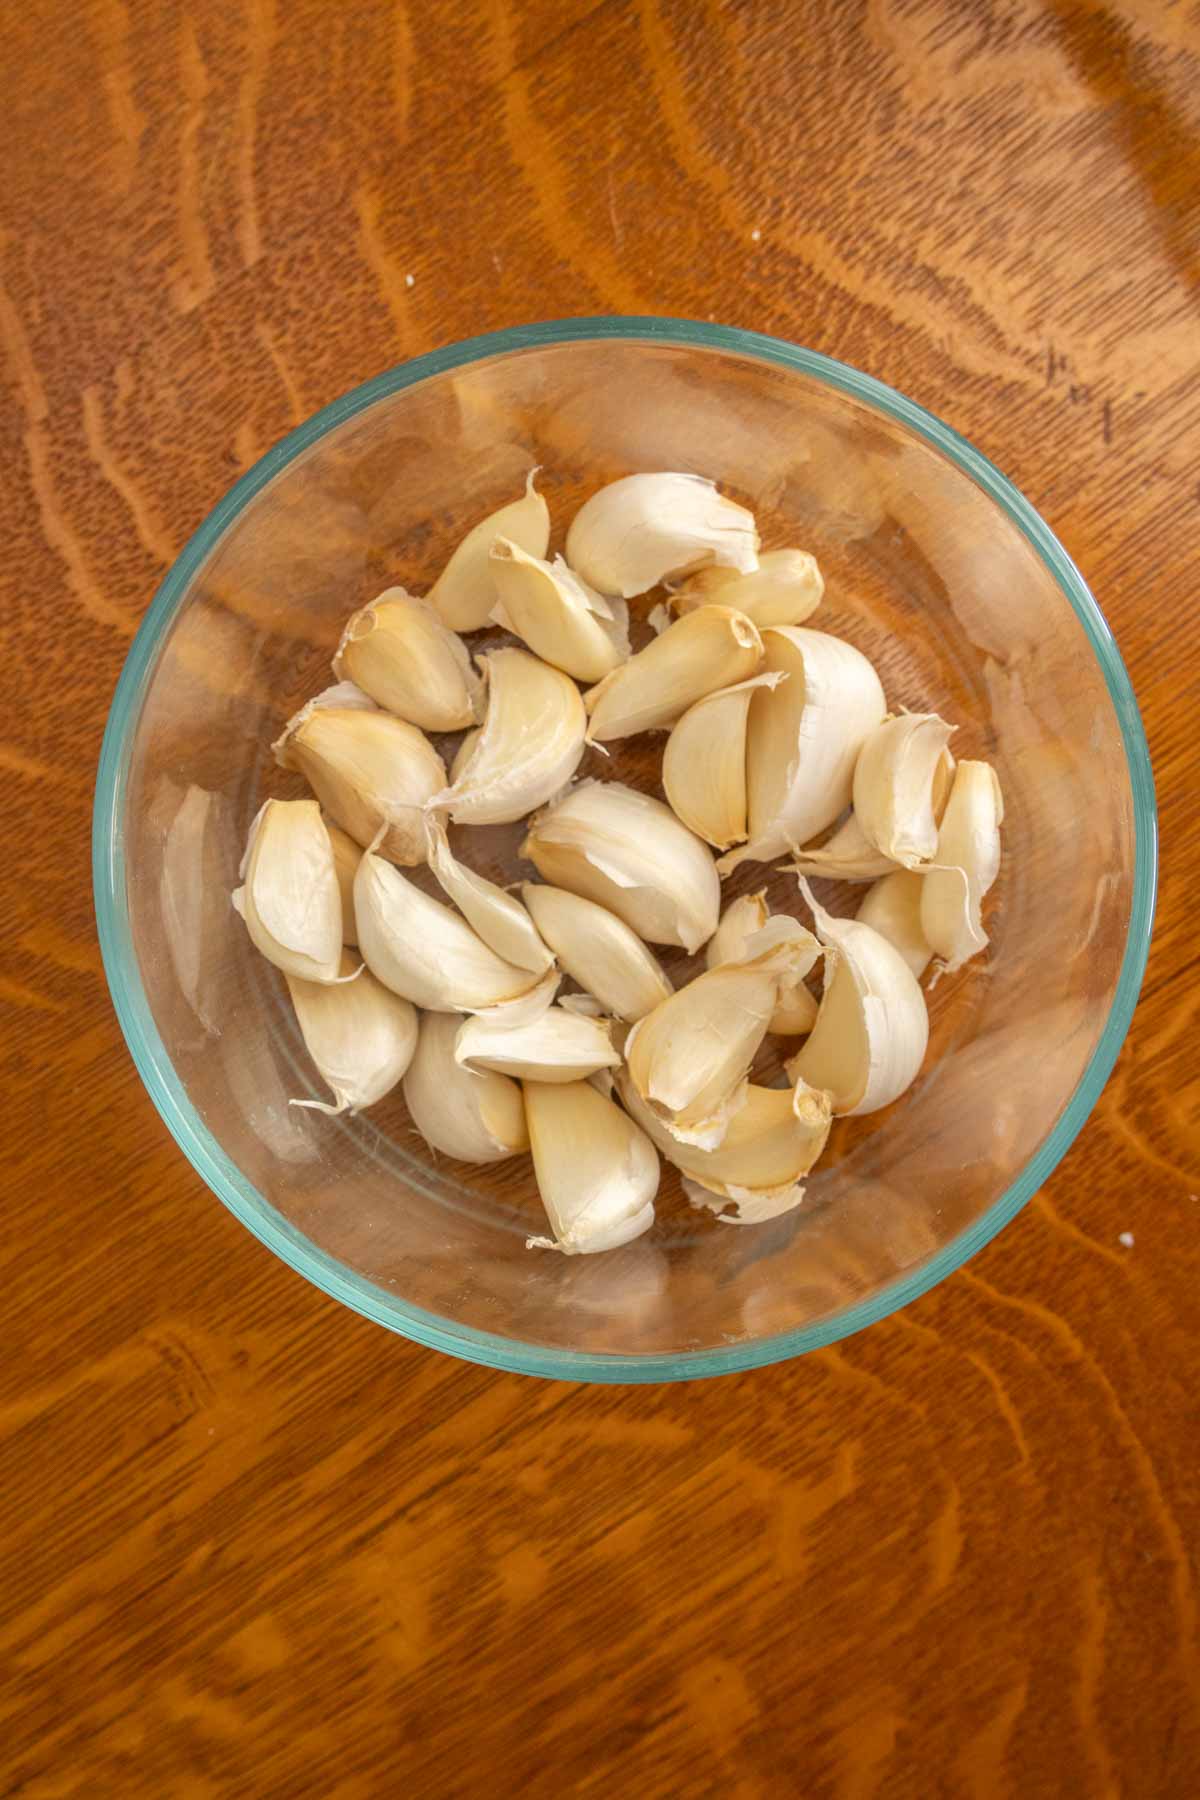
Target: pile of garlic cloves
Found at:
407, 966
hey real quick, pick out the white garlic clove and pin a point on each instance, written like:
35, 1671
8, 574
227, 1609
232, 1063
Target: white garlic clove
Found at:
501, 921
289, 896
645, 529
463, 595
346, 854
399, 652
785, 589
561, 619
741, 923
711, 648
597, 950
562, 1044
476, 1118
894, 783
966, 863
596, 1172
528, 747
704, 763
360, 1036
892, 907
846, 856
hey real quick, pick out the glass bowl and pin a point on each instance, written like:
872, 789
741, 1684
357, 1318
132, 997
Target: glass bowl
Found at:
935, 567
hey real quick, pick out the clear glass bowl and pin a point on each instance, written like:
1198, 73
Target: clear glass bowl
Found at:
935, 567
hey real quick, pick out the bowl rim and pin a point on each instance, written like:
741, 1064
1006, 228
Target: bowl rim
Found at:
221, 1173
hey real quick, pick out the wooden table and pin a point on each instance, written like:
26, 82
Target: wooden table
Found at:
253, 1545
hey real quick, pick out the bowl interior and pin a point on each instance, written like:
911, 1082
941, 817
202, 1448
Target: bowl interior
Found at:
927, 571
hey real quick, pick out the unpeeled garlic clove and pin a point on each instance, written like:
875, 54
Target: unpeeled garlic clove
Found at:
894, 786
785, 589
565, 622
528, 747
346, 854
596, 1172
476, 1118
872, 1026
289, 896
704, 763
561, 1044
367, 769
597, 950
501, 921
463, 595
755, 1205
846, 856
360, 1036
645, 529
399, 652
630, 854
892, 907
464, 753
741, 923
966, 863
803, 739
711, 648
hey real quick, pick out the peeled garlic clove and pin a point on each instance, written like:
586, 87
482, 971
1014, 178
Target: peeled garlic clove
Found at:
500, 920
596, 1172
872, 1027
399, 652
966, 863
709, 649
645, 529
528, 747
846, 856
562, 620
289, 896
630, 854
360, 1036
346, 854
475, 1118
892, 907
803, 739
894, 781
704, 763
462, 595
560, 1045
597, 950
742, 922
785, 589
367, 769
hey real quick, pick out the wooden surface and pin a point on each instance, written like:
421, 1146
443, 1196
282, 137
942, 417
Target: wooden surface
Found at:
252, 1545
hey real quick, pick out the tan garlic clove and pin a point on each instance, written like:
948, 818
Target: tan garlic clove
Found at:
597, 950
346, 854
476, 1118
561, 1044
894, 786
645, 529
528, 747
565, 622
966, 863
500, 919
289, 896
463, 595
741, 923
892, 907
596, 1172
785, 589
360, 1036
399, 652
711, 648
704, 763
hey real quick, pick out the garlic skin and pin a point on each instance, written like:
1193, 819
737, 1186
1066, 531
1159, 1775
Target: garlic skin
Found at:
597, 950
645, 529
474, 1118
346, 854
630, 854
804, 738
501, 921
561, 619
892, 907
894, 785
704, 763
463, 596
596, 1172
786, 589
464, 753
360, 1036
560, 1045
399, 652
711, 648
872, 1026
366, 768
528, 747
966, 863
847, 856
741, 922
289, 896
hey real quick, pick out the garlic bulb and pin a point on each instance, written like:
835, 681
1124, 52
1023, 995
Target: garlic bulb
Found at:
628, 853
563, 621
741, 923
366, 768
894, 784
872, 1026
966, 863
708, 649
560, 1045
528, 747
846, 856
399, 652
804, 738
346, 854
290, 898
785, 589
360, 1036
501, 921
463, 596
892, 907
704, 763
597, 950
645, 529
474, 1118
596, 1172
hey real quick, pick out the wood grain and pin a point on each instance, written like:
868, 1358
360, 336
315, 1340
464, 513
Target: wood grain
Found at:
253, 1545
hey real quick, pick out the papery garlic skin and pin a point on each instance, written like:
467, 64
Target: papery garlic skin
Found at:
476, 1118
892, 907
785, 589
346, 854
500, 919
649, 528
597, 950
360, 1036
597, 1173
741, 922
966, 863
894, 782
400, 652
367, 769
846, 856
463, 595
289, 898
713, 647
561, 619
704, 763
528, 747
560, 1045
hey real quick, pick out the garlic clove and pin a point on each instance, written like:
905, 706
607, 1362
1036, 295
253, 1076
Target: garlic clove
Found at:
596, 1172
528, 747
501, 921
872, 1026
630, 854
560, 1045
464, 753
367, 769
785, 589
704, 763
711, 648
803, 739
289, 896
399, 652
463, 595
894, 780
967, 861
597, 950
741, 923
645, 529
892, 907
346, 854
846, 856
360, 1036
476, 1118
561, 619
